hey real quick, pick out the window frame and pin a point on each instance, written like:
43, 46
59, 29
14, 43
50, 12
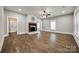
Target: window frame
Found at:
53, 25
77, 23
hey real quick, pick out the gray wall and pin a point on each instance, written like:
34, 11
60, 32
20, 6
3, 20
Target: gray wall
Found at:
46, 24
21, 19
1, 20
63, 23
1, 26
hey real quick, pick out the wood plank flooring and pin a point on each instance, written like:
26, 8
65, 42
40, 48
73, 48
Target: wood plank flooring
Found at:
44, 42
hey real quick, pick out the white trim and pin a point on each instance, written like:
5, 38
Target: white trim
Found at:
57, 32
21, 33
77, 36
63, 32
1, 43
27, 33
76, 39
33, 32
7, 26
6, 35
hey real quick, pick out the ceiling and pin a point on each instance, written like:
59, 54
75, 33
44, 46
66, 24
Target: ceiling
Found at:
37, 10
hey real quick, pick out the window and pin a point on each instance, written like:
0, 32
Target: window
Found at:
77, 23
78, 26
53, 25
38, 25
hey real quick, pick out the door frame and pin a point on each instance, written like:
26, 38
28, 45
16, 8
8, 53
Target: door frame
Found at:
8, 23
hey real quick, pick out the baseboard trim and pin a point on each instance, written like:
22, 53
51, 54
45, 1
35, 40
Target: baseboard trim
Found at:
64, 32
21, 33
76, 39
58, 32
32, 33
1, 43
5, 35
27, 33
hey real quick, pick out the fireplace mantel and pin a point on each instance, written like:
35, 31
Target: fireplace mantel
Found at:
32, 27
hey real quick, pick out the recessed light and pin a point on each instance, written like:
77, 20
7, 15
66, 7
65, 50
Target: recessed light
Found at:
19, 9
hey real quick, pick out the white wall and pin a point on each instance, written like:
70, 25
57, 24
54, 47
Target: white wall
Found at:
63, 23
1, 26
20, 21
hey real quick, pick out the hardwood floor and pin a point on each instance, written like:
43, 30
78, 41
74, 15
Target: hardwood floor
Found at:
44, 42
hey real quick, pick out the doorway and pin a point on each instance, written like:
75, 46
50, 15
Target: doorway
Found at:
12, 25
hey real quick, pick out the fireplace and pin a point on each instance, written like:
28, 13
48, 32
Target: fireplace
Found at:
32, 27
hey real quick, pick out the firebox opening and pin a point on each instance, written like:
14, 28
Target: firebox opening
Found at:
32, 27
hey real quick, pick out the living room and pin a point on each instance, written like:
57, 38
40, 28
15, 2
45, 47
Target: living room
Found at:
43, 29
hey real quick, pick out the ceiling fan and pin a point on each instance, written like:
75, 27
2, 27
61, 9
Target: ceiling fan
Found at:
45, 14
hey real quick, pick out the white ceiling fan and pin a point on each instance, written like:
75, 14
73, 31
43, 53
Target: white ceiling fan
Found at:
45, 14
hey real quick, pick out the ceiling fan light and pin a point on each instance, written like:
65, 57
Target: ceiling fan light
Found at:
44, 17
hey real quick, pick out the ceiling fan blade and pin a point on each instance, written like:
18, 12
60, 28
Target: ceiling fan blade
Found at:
48, 14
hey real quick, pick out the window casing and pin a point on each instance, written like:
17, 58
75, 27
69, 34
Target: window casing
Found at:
77, 23
53, 25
